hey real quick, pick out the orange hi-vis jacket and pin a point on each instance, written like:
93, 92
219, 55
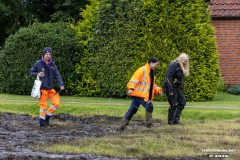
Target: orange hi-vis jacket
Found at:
140, 83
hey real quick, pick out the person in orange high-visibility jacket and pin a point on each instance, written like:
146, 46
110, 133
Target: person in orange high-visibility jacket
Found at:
142, 88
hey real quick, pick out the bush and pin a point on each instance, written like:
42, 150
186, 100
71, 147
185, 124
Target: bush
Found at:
234, 90
22, 49
125, 34
110, 32
222, 86
179, 26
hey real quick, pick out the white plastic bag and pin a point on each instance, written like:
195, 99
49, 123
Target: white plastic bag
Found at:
36, 88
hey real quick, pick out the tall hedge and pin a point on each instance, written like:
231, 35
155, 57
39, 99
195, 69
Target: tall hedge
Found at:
124, 34
114, 42
86, 83
24, 48
179, 26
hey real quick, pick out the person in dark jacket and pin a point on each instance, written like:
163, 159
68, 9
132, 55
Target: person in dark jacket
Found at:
47, 71
173, 87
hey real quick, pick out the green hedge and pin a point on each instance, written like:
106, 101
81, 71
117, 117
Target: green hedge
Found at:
179, 26
114, 44
124, 34
86, 82
24, 48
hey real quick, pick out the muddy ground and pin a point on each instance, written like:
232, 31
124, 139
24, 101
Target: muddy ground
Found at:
18, 132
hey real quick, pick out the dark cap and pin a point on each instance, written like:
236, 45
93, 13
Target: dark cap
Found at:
47, 49
153, 60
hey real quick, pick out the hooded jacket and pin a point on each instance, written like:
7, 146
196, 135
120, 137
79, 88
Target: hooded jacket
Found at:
140, 83
174, 77
51, 72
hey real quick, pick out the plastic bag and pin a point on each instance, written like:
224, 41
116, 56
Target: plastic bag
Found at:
36, 88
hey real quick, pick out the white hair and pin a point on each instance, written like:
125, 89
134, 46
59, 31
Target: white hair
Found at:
184, 67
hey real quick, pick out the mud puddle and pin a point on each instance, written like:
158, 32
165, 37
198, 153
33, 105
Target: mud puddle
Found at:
18, 132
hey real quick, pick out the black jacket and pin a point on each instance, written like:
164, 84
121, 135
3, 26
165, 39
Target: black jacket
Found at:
174, 77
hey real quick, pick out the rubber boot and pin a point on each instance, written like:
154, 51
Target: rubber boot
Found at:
47, 120
124, 124
170, 116
177, 119
148, 119
42, 122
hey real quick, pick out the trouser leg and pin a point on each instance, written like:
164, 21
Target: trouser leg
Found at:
181, 104
129, 114
172, 100
43, 106
55, 99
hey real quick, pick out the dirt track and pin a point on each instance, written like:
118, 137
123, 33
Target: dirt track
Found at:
19, 131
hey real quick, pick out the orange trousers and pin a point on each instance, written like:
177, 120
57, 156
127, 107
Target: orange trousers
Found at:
55, 99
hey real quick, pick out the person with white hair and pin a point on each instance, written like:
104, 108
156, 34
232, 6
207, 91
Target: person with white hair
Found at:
173, 87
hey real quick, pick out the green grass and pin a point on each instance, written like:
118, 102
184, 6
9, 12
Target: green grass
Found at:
208, 125
223, 107
166, 141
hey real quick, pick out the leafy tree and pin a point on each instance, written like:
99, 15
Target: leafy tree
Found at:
23, 48
22, 13
55, 10
13, 16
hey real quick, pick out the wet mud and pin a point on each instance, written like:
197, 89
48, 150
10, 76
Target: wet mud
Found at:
18, 132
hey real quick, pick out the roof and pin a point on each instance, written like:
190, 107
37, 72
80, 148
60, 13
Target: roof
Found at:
224, 8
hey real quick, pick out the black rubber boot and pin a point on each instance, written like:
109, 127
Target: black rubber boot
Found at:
177, 117
47, 120
170, 116
124, 124
42, 122
149, 119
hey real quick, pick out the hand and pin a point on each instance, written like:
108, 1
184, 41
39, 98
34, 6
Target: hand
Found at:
62, 88
170, 94
41, 74
129, 92
160, 93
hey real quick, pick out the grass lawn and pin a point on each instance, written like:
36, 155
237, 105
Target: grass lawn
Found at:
209, 127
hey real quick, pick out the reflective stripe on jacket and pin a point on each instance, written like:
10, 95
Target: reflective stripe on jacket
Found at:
140, 83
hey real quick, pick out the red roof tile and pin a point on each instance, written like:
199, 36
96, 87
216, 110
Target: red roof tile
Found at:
225, 8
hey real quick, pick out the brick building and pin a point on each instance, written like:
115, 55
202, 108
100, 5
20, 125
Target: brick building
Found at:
226, 20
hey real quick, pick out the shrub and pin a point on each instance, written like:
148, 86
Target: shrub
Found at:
22, 49
125, 34
222, 86
86, 82
172, 27
234, 90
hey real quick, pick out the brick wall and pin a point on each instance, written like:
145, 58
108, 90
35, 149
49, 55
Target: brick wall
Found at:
228, 45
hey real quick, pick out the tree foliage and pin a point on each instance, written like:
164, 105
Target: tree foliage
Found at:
24, 48
85, 83
15, 14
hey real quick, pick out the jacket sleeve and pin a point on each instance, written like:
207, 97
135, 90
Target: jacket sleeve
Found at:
135, 79
169, 76
58, 76
157, 89
33, 71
